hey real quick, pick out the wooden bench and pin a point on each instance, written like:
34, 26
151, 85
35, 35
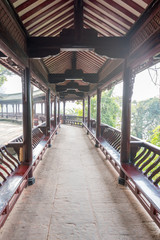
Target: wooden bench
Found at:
15, 174
11, 190
146, 191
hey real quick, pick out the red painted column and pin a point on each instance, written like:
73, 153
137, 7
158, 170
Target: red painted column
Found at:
27, 124
64, 105
128, 82
55, 111
98, 125
89, 111
83, 110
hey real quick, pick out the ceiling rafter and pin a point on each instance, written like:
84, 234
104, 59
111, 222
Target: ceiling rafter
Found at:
104, 18
51, 18
101, 8
58, 23
101, 24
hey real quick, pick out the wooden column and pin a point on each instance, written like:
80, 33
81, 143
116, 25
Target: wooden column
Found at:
83, 110
55, 111
16, 110
27, 124
13, 109
128, 82
42, 108
48, 112
98, 125
2, 109
58, 111
64, 105
89, 111
6, 110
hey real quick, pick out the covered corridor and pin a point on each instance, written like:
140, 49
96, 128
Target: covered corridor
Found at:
76, 196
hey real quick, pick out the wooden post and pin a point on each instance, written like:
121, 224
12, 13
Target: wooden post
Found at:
64, 104
48, 114
16, 110
6, 110
58, 111
83, 110
2, 109
128, 82
55, 111
98, 125
89, 111
27, 124
13, 109
48, 123
42, 108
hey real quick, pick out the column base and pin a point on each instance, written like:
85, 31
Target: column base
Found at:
121, 181
97, 145
49, 145
31, 181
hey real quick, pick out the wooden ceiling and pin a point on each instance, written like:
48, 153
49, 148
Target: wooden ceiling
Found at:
47, 18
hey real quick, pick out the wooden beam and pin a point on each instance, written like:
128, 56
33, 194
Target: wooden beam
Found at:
2, 55
73, 92
113, 47
72, 85
73, 75
78, 19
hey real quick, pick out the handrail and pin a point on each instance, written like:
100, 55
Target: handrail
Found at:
145, 156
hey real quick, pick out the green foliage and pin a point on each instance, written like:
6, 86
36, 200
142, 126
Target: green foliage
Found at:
94, 107
110, 110
155, 138
3, 73
145, 117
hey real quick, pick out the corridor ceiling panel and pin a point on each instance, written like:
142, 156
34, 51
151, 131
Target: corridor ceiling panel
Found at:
108, 18
48, 18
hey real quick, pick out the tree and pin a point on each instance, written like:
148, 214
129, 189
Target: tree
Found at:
3, 73
145, 117
155, 138
110, 110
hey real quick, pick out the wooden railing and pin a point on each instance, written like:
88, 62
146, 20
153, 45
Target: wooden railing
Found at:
142, 172
73, 120
14, 172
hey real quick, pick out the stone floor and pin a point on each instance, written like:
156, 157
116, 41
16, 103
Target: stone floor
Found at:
76, 197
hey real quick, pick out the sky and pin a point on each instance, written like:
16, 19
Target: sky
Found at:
144, 88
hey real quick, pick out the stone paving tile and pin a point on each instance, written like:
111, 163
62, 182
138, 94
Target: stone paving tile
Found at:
77, 197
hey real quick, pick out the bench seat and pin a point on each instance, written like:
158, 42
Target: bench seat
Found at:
11, 190
147, 193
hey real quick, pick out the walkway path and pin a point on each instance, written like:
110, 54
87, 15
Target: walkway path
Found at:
76, 197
